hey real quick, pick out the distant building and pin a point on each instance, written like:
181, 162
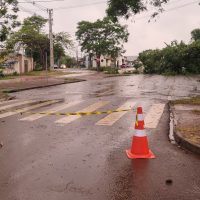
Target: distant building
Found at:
130, 60
105, 61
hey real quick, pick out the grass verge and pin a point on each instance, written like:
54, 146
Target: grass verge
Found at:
197, 112
44, 73
35, 73
190, 101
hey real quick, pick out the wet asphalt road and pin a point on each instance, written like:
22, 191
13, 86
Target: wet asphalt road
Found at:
82, 161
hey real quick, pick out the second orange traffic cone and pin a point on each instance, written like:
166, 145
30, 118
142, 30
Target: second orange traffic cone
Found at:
139, 148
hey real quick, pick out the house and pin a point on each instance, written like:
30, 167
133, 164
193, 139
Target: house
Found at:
17, 62
130, 60
105, 61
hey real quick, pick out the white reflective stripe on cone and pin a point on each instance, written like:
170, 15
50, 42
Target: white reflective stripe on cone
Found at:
140, 117
139, 133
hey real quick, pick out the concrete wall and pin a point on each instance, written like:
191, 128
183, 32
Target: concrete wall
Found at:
23, 64
105, 61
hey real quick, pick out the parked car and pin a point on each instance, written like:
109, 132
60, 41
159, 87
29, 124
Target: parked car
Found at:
123, 65
55, 66
63, 66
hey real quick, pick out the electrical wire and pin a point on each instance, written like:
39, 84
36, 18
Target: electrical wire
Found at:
43, 8
81, 5
171, 9
39, 1
26, 10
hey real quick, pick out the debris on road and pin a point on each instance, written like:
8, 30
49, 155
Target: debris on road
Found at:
168, 182
1, 145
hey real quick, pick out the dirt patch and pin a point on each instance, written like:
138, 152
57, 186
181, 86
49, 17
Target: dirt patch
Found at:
191, 133
187, 122
5, 96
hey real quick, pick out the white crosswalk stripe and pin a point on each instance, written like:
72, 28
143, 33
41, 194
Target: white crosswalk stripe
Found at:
15, 104
153, 116
91, 108
10, 113
52, 110
151, 119
9, 101
113, 117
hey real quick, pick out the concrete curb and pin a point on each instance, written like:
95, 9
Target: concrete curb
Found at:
41, 86
180, 140
186, 144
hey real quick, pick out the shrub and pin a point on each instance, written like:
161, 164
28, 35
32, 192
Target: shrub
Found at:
15, 74
173, 59
110, 70
1, 74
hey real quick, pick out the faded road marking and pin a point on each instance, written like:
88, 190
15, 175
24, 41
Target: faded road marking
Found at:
91, 108
153, 116
10, 113
8, 101
15, 104
113, 117
53, 110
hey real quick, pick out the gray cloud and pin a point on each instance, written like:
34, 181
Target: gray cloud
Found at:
170, 25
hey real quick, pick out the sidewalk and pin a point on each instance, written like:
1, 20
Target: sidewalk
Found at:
186, 123
32, 82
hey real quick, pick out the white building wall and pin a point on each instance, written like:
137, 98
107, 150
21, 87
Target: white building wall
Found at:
108, 63
104, 62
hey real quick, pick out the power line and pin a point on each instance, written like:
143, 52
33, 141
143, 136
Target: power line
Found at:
81, 5
171, 9
43, 8
26, 10
39, 1
184, 5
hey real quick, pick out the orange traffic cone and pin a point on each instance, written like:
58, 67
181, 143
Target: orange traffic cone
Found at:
139, 147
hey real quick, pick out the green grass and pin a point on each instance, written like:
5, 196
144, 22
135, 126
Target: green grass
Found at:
3, 95
34, 73
43, 73
72, 80
8, 77
131, 72
190, 101
197, 112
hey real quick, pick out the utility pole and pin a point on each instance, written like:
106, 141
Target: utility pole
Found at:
50, 11
77, 56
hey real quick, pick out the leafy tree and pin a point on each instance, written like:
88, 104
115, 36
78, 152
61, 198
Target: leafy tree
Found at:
32, 37
195, 34
8, 17
102, 37
124, 8
62, 41
151, 60
68, 61
36, 42
176, 58
59, 52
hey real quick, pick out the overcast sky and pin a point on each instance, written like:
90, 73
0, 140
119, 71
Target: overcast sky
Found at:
176, 23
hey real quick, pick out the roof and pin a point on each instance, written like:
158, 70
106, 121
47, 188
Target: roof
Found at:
131, 58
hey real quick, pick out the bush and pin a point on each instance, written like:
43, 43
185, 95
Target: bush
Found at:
174, 59
109, 70
38, 67
1, 74
15, 74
